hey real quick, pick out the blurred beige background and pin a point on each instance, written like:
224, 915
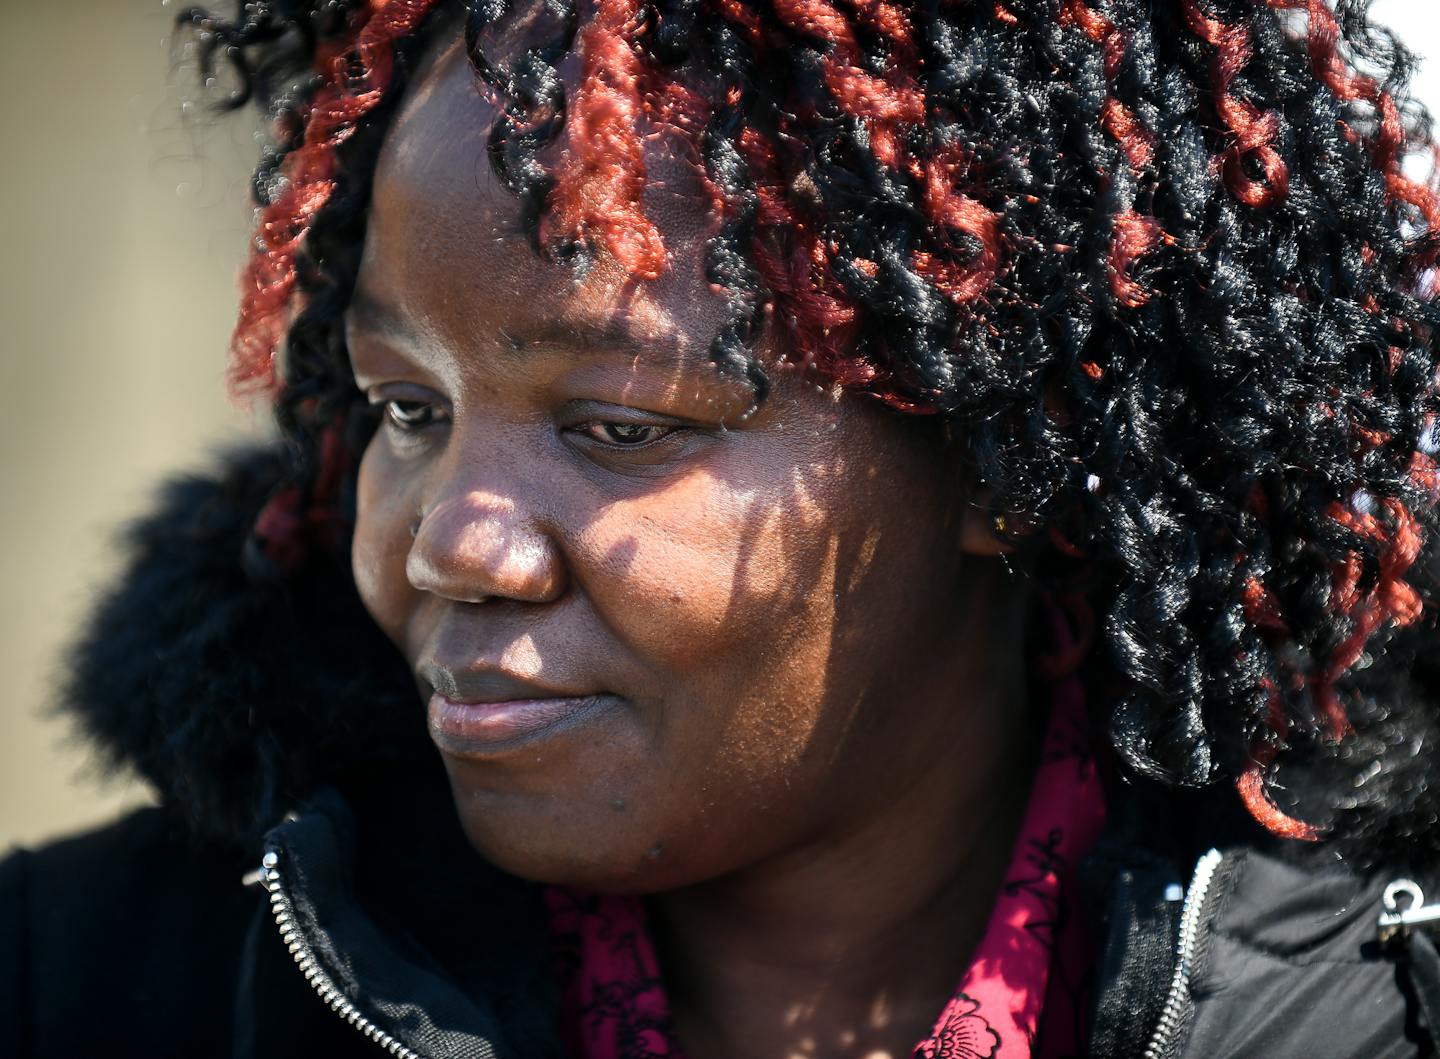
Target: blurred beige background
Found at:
124, 223
125, 220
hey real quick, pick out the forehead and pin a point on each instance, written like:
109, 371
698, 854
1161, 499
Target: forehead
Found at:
445, 248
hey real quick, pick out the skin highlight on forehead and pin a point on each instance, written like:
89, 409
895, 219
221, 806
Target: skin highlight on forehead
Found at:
454, 116
458, 210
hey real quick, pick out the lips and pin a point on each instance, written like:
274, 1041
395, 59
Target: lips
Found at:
475, 713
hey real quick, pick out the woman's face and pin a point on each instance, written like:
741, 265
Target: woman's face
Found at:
659, 642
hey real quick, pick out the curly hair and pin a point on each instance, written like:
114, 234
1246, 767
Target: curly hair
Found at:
1160, 265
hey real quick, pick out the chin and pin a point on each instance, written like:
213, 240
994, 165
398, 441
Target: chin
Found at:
592, 841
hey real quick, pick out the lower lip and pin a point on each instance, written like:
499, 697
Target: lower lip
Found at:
478, 729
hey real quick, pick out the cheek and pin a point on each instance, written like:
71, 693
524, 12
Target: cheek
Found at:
726, 598
685, 570
384, 512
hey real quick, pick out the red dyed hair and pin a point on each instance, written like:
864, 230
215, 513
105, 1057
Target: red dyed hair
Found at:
354, 77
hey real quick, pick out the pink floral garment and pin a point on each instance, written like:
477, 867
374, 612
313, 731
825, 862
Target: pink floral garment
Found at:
1033, 956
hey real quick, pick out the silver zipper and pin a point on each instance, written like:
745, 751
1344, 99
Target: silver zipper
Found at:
317, 976
1172, 1013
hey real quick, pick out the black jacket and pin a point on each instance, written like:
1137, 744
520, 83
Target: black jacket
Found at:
305, 889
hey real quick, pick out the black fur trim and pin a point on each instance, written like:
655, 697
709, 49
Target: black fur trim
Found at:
236, 694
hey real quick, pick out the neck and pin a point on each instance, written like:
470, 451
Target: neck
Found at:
850, 943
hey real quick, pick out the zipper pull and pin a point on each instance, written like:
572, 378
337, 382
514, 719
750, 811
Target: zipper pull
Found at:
1397, 921
262, 875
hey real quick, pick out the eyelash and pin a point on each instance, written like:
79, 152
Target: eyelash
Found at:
593, 430
394, 413
402, 416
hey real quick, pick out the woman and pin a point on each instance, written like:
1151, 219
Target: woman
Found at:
906, 525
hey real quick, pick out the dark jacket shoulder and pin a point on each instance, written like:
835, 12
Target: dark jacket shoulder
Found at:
1243, 945
106, 934
139, 940
1289, 965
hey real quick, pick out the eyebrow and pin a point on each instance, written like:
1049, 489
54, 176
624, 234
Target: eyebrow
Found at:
613, 334
376, 317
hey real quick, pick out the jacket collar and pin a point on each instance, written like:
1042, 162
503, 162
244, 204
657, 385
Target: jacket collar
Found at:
397, 931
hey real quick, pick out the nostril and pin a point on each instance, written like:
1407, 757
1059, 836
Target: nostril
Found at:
442, 576
475, 548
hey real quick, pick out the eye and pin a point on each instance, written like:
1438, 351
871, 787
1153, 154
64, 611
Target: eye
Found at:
410, 415
625, 435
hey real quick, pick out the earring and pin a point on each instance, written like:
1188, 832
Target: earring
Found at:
415, 525
1000, 524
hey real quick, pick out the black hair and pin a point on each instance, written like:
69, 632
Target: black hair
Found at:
1160, 265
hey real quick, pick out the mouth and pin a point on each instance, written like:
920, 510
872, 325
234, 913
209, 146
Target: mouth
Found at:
486, 713
488, 729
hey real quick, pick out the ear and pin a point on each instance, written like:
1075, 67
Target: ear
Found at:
983, 531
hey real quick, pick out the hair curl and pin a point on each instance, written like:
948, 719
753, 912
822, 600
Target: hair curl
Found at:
1161, 265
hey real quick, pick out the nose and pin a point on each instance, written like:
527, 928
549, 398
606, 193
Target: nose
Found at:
475, 547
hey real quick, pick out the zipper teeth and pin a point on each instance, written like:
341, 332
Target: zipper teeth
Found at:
1170, 1014
336, 1001
319, 979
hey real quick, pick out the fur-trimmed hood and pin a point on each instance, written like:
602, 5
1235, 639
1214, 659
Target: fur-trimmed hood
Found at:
233, 690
